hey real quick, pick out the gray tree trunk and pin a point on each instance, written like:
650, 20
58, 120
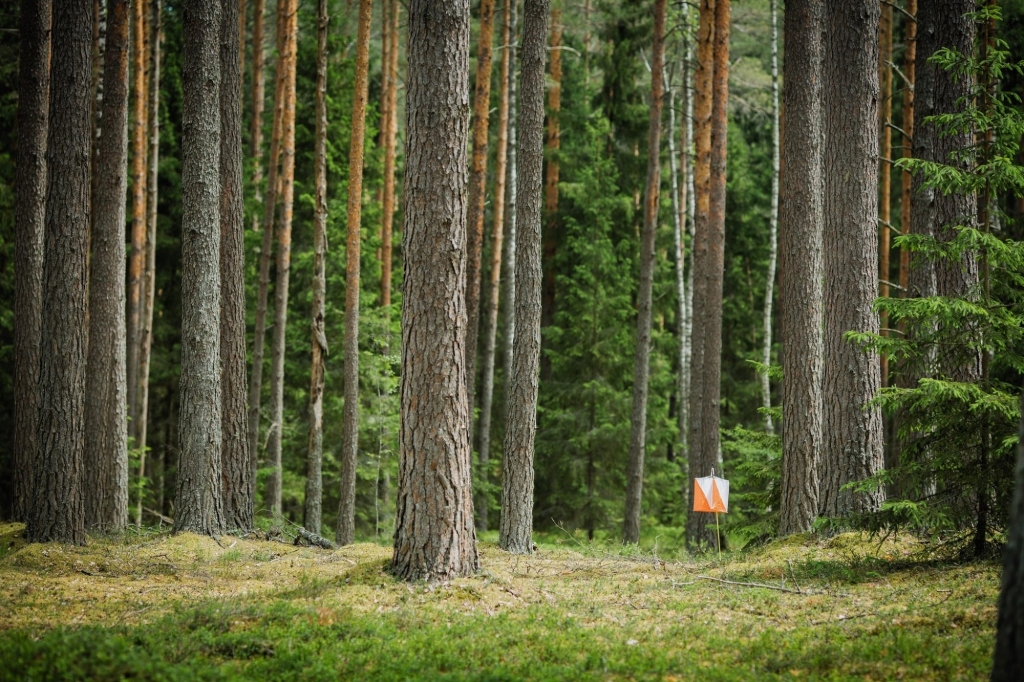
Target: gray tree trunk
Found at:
800, 243
678, 223
237, 469
434, 535
1009, 654
198, 505
509, 303
773, 224
56, 510
29, 229
853, 442
641, 366
516, 530
106, 408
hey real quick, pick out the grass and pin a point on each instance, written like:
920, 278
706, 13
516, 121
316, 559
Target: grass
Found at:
159, 607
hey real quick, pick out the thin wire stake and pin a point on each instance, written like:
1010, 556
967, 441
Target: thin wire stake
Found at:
719, 529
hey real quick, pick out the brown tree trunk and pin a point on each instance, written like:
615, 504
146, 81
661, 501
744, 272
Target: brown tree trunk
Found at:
800, 259
29, 230
149, 289
198, 505
853, 443
256, 124
494, 286
909, 71
105, 483
350, 413
99, 30
1009, 653
390, 137
56, 510
314, 478
641, 368
477, 194
885, 171
516, 530
283, 260
551, 174
712, 90
137, 255
434, 534
236, 467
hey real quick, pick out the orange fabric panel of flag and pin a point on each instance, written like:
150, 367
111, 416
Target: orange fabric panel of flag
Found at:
711, 494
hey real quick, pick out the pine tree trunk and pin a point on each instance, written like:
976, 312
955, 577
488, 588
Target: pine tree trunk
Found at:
494, 291
350, 414
885, 173
800, 256
99, 30
137, 255
56, 510
29, 230
198, 505
282, 264
773, 225
390, 138
641, 368
149, 289
708, 252
509, 304
853, 443
105, 482
237, 469
477, 194
909, 71
551, 174
256, 124
434, 534
687, 202
314, 478
1009, 653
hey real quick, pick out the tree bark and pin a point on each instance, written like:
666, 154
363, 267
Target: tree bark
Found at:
641, 368
106, 414
688, 201
256, 124
801, 223
434, 534
678, 222
237, 470
283, 260
712, 91
773, 225
885, 171
1009, 653
29, 230
149, 288
853, 444
494, 286
314, 479
390, 138
350, 414
198, 505
477, 194
509, 303
552, 171
909, 70
56, 510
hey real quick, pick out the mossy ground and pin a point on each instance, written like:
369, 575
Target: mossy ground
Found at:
155, 606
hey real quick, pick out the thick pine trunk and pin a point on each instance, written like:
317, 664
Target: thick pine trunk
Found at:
29, 230
1009, 654
434, 534
773, 225
314, 478
708, 252
641, 367
237, 470
494, 286
350, 413
800, 256
853, 443
198, 505
56, 510
105, 482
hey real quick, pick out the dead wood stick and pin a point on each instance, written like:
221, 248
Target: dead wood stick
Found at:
739, 584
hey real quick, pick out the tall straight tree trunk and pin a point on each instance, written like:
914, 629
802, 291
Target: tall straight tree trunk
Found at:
99, 29
267, 244
106, 413
509, 303
237, 471
885, 171
773, 225
434, 534
350, 414
678, 222
853, 444
390, 138
282, 264
1009, 653
516, 531
256, 124
687, 199
477, 194
641, 368
551, 174
137, 254
198, 505
55, 509
800, 253
314, 478
712, 92
29, 230
149, 288
906, 179
494, 286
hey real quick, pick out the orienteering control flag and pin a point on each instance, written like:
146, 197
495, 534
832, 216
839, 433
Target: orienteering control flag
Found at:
711, 494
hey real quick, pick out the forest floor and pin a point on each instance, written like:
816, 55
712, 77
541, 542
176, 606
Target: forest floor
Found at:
152, 606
